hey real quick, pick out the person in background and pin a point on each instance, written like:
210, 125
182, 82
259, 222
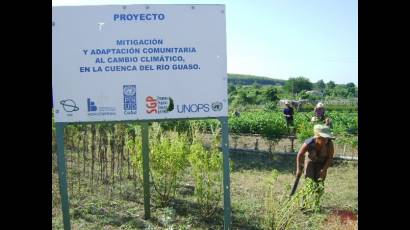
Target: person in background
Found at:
236, 113
288, 113
320, 115
319, 111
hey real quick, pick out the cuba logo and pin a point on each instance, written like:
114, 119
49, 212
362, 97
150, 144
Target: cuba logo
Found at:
216, 106
158, 105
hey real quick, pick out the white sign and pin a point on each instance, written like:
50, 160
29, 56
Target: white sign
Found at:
139, 62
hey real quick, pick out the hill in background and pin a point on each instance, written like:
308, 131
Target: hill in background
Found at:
242, 79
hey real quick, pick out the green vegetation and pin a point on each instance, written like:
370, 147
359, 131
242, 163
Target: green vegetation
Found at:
296, 85
206, 168
168, 158
246, 92
257, 199
104, 164
272, 125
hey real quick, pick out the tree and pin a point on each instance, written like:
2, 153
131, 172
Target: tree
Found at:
303, 95
340, 91
350, 85
330, 89
270, 94
320, 85
351, 89
295, 85
231, 89
256, 85
330, 85
243, 98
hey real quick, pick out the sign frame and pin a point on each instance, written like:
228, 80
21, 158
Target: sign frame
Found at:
62, 171
101, 96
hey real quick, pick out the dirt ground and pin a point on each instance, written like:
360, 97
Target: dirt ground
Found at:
284, 145
342, 219
119, 205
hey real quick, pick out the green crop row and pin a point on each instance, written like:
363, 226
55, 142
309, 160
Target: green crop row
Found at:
272, 125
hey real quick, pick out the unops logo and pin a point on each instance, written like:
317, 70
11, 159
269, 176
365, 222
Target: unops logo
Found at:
157, 105
193, 108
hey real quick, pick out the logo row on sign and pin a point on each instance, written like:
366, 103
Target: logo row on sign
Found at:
153, 105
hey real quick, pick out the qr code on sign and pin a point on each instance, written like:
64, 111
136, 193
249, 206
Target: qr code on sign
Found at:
130, 97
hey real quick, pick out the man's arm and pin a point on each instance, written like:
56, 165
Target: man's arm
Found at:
299, 162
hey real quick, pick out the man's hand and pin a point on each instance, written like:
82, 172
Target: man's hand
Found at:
322, 174
298, 172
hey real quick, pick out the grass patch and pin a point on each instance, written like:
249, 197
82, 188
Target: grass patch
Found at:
120, 206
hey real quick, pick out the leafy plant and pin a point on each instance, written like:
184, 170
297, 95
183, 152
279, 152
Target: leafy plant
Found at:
310, 194
280, 210
168, 158
207, 172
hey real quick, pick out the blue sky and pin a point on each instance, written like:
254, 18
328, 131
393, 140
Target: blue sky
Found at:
317, 39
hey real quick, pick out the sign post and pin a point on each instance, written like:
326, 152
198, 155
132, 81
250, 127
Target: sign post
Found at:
145, 168
62, 172
226, 176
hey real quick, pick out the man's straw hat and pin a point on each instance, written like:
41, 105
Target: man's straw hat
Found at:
322, 131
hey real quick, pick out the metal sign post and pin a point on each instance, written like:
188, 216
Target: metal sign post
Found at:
62, 174
226, 176
145, 169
